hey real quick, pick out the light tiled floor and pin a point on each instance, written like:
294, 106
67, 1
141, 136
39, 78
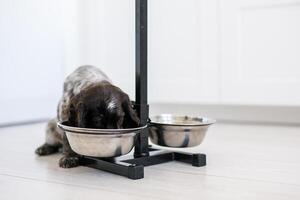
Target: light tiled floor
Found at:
243, 162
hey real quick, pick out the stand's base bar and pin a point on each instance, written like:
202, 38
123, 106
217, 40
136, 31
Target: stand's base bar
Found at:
197, 160
134, 168
131, 171
154, 158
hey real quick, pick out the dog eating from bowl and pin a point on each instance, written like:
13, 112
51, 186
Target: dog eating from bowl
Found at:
89, 100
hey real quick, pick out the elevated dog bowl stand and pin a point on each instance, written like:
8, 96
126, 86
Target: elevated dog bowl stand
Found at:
133, 166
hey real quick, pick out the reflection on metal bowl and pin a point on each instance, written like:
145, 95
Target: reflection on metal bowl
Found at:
178, 131
102, 143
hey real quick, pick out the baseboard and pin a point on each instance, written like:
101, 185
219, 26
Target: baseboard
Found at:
21, 123
278, 115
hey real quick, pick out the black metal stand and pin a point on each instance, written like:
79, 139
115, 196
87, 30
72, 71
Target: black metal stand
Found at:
133, 168
144, 155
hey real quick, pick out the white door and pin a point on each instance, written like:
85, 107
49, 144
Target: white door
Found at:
32, 59
260, 51
180, 68
177, 71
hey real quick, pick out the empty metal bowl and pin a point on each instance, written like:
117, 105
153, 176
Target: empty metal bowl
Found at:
178, 131
104, 143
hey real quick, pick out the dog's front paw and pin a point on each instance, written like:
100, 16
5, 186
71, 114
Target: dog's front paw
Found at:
69, 161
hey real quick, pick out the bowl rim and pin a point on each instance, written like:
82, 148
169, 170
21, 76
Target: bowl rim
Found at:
209, 121
130, 134
64, 127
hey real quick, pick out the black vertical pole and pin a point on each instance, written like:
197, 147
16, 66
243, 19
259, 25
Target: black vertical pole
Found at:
141, 146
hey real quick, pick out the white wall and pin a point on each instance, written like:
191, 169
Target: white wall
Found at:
37, 38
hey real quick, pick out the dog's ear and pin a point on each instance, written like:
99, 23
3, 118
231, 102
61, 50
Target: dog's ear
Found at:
81, 115
77, 113
72, 115
131, 119
120, 122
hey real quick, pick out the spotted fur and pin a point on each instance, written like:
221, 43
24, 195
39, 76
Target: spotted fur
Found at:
76, 82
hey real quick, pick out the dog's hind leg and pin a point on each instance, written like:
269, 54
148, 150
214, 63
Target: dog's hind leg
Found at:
53, 139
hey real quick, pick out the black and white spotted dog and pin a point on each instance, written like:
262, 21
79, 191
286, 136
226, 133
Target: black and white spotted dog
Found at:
89, 100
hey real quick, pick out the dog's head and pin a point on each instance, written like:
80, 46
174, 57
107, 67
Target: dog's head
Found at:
102, 106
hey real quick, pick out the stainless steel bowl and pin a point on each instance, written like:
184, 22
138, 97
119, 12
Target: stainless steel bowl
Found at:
102, 143
178, 131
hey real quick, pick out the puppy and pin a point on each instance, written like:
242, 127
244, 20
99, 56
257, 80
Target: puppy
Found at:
89, 100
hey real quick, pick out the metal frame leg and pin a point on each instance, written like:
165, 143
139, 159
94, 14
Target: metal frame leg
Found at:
141, 82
